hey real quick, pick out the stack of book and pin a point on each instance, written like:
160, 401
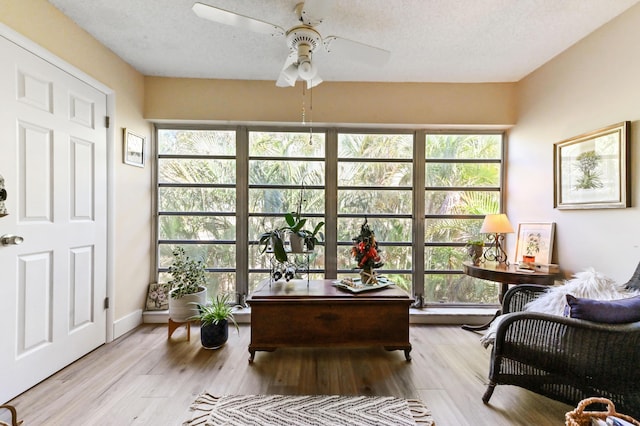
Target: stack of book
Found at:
550, 268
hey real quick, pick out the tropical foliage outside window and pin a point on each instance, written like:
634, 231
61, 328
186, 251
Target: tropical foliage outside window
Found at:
462, 184
196, 196
375, 180
283, 166
424, 195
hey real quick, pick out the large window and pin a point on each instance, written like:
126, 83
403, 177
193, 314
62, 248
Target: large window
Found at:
285, 169
375, 182
196, 205
424, 194
462, 180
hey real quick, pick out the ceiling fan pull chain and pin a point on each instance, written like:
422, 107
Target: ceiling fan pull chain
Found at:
303, 96
310, 114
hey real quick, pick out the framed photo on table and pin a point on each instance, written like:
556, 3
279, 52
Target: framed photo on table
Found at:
592, 171
535, 241
134, 149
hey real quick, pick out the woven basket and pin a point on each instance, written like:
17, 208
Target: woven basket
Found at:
579, 417
14, 416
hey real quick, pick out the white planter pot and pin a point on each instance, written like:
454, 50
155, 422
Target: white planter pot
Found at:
180, 310
296, 242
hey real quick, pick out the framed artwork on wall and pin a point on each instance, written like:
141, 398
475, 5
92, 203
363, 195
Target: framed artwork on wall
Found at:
535, 242
592, 171
134, 149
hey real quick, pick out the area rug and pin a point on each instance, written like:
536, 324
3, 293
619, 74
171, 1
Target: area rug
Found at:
307, 410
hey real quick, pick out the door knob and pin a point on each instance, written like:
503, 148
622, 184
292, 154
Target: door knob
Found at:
8, 239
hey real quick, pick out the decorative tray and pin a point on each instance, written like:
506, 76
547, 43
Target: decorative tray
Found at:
356, 285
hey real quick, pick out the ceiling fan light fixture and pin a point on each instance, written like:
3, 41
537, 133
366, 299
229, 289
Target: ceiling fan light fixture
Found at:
306, 69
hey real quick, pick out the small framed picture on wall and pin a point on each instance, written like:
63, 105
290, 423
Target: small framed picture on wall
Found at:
134, 149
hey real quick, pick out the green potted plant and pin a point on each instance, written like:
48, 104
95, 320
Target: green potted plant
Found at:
275, 240
474, 250
214, 320
298, 236
312, 238
295, 223
294, 228
187, 286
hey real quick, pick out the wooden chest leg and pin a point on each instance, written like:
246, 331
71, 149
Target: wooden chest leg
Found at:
406, 350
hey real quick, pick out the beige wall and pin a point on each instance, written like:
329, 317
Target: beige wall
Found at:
592, 85
491, 104
40, 22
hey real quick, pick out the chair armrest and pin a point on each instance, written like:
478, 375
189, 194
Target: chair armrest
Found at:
518, 296
581, 348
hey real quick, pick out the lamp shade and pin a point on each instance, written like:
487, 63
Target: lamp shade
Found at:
496, 224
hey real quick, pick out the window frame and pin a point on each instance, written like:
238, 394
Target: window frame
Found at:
331, 187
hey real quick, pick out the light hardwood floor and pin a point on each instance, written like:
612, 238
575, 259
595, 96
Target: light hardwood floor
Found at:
145, 379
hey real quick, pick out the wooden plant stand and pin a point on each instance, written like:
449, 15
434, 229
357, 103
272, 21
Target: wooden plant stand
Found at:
173, 326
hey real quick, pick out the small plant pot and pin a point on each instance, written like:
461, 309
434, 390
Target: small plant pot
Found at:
475, 252
296, 242
213, 336
186, 307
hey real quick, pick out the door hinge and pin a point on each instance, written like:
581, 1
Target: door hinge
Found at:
106, 121
106, 303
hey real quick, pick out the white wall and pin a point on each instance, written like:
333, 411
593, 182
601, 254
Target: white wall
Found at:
593, 84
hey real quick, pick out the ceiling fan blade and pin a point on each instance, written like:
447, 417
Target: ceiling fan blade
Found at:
289, 73
312, 12
355, 50
222, 16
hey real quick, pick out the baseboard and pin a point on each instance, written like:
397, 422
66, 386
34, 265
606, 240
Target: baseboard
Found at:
127, 323
155, 317
455, 316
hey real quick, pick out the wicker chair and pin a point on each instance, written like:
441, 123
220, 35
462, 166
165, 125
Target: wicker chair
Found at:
566, 359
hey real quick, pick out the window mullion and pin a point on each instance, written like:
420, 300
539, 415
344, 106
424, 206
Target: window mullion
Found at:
242, 212
331, 205
418, 216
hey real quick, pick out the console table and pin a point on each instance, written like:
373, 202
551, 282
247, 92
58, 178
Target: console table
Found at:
314, 313
505, 275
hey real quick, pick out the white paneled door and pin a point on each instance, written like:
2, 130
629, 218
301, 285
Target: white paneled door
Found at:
53, 158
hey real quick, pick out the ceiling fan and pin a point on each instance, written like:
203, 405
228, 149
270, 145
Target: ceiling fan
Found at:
302, 39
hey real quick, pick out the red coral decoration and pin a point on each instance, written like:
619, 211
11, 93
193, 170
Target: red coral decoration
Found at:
365, 248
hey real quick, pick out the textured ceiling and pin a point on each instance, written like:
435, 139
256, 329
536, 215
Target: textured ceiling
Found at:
429, 40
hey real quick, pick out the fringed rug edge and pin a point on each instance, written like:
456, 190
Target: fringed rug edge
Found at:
420, 413
204, 403
201, 407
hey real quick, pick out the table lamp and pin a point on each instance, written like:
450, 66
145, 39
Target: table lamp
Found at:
496, 225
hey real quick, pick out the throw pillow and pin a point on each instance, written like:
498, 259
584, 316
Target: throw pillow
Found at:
606, 311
